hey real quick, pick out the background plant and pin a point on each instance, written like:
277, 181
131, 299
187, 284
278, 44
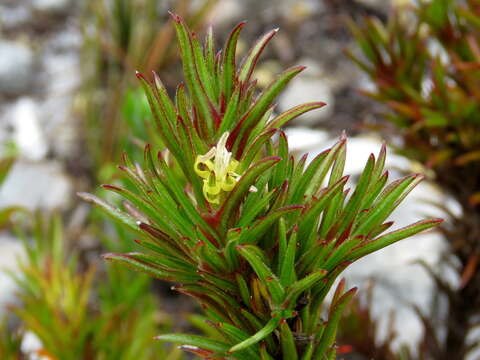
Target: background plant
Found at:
358, 330
73, 316
255, 236
425, 64
119, 37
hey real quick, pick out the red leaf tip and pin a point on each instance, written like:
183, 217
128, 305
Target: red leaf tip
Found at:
139, 75
174, 16
111, 187
107, 256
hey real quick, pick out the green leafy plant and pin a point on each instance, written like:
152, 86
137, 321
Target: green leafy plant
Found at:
426, 72
73, 317
255, 236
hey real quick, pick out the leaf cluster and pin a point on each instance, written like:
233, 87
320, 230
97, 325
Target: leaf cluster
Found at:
262, 260
427, 73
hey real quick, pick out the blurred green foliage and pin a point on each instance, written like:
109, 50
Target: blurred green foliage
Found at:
77, 312
10, 341
427, 72
425, 65
6, 213
119, 38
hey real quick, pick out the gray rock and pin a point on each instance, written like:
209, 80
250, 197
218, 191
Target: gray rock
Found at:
14, 16
310, 85
27, 133
59, 127
225, 12
36, 186
16, 68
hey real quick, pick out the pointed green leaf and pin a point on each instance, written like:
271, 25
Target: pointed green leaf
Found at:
167, 133
254, 148
387, 202
260, 335
317, 179
243, 186
287, 261
312, 213
264, 273
292, 113
298, 287
228, 61
250, 213
392, 237
231, 115
243, 287
280, 173
115, 213
330, 332
258, 229
353, 205
204, 74
147, 268
289, 348
194, 340
250, 60
191, 73
255, 113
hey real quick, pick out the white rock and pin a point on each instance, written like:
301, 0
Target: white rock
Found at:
16, 67
27, 134
310, 85
51, 6
36, 186
304, 139
31, 346
359, 149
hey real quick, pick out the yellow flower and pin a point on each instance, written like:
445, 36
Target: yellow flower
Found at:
217, 168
